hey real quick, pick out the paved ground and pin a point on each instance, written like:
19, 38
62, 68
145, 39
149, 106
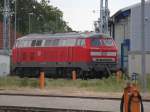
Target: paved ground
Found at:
64, 103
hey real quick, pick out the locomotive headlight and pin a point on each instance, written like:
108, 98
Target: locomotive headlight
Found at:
111, 53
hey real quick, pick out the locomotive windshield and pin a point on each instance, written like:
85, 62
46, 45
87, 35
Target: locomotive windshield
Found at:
108, 42
95, 42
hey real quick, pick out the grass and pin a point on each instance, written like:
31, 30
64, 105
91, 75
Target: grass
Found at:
105, 85
97, 85
109, 84
148, 83
16, 82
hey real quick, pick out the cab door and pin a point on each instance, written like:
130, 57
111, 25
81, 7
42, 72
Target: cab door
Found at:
96, 49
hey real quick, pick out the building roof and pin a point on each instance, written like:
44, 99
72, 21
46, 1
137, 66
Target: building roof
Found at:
124, 12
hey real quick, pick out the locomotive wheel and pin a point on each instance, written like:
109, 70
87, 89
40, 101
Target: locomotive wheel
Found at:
85, 75
79, 73
105, 74
59, 72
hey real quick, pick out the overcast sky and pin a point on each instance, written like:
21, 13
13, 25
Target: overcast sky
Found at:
79, 13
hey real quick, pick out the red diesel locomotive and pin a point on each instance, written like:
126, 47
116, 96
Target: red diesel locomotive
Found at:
87, 53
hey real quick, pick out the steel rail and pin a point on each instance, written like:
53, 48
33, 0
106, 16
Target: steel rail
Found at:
65, 96
38, 109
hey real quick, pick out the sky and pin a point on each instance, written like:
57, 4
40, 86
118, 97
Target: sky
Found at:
79, 13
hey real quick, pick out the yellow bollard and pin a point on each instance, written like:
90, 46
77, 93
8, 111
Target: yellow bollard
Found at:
74, 75
42, 80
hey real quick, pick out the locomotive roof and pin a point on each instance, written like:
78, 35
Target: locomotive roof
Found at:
63, 35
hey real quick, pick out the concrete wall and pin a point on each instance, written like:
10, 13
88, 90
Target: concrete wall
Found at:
4, 65
135, 62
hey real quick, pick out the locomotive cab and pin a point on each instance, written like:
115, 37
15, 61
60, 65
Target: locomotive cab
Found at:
103, 52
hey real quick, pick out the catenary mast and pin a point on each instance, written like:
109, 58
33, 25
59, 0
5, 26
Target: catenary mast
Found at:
102, 24
6, 26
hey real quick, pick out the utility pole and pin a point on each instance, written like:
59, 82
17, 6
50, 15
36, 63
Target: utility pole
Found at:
29, 23
6, 26
15, 21
143, 73
30, 14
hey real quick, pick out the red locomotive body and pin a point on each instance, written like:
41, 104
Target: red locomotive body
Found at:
63, 53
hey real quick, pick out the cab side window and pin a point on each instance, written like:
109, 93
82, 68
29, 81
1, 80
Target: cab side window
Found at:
81, 42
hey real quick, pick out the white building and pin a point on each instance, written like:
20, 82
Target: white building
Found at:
125, 27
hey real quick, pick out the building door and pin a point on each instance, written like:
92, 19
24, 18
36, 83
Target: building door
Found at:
125, 47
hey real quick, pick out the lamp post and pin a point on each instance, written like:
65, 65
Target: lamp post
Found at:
143, 73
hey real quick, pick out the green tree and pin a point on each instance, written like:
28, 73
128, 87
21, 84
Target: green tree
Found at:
43, 17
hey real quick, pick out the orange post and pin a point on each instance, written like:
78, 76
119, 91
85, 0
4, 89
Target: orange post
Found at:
132, 100
74, 75
118, 75
42, 80
135, 101
135, 104
127, 92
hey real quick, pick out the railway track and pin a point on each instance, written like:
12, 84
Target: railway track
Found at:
35, 109
62, 96
54, 103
